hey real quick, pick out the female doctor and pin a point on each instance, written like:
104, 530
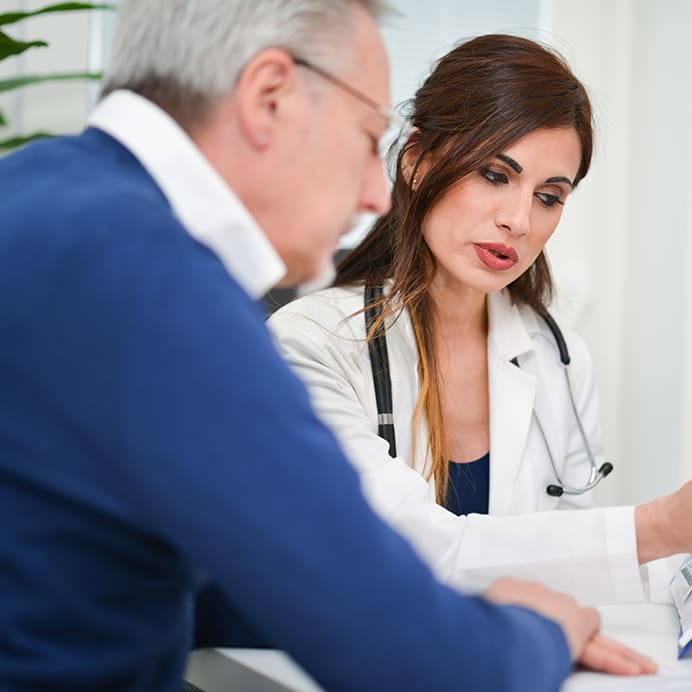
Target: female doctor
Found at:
484, 418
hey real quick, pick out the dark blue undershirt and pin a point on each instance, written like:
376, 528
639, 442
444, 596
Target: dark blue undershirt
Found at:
469, 485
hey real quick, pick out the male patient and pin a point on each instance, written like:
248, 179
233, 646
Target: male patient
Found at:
152, 440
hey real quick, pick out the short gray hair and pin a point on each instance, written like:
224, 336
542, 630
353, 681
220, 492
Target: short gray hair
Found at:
185, 55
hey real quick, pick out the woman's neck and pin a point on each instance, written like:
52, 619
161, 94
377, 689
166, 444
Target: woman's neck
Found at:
461, 311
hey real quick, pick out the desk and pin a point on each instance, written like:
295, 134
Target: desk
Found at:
250, 670
651, 629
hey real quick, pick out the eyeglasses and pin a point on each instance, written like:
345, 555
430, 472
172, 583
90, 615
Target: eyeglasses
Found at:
396, 124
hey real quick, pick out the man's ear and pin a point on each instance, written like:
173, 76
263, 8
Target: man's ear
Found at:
262, 89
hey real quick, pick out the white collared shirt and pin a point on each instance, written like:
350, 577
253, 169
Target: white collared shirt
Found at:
201, 200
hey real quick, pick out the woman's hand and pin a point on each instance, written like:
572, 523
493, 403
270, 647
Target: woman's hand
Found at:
664, 525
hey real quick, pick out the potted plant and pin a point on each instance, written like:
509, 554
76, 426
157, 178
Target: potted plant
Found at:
10, 47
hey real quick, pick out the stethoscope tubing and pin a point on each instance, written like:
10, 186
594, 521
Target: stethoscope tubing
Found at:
379, 360
597, 473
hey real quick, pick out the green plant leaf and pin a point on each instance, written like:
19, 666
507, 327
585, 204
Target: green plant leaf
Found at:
17, 82
8, 46
14, 142
12, 17
3, 119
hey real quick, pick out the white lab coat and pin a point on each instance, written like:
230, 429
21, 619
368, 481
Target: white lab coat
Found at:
528, 534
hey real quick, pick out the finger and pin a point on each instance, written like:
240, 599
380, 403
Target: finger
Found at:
604, 655
647, 663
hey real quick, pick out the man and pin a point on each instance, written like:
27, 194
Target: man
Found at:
152, 440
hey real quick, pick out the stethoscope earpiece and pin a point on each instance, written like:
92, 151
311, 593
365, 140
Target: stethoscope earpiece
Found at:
605, 469
559, 490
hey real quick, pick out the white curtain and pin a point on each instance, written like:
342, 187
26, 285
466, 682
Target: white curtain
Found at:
622, 255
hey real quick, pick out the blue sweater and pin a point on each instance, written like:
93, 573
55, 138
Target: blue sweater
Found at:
151, 439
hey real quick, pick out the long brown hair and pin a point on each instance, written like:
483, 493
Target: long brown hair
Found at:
482, 96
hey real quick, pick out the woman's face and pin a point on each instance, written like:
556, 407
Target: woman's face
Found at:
488, 228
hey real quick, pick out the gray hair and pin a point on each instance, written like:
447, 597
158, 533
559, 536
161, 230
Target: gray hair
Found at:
184, 55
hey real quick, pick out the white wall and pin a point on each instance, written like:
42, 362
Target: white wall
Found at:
623, 254
425, 31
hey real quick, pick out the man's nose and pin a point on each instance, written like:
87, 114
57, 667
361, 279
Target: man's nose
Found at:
375, 197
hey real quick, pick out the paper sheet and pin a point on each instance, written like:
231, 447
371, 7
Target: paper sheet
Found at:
672, 677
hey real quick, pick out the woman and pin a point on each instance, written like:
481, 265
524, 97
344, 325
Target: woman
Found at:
502, 134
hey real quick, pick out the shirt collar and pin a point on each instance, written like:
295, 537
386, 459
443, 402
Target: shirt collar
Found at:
508, 334
201, 200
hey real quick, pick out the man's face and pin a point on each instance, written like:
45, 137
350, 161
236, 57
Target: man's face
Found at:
335, 171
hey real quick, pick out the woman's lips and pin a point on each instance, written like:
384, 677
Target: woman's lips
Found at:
496, 256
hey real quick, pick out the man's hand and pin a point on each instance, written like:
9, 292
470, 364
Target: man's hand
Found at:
608, 656
580, 625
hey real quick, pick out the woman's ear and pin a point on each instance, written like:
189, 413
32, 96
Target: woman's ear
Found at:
413, 168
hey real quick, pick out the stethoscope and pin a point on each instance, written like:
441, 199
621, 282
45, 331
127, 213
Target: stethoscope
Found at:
379, 360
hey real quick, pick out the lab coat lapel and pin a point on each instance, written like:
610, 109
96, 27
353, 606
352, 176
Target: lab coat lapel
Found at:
512, 392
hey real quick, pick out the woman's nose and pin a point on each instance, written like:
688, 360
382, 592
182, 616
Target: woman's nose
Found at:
514, 215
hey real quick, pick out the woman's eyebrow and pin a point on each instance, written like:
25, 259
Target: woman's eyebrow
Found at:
560, 179
510, 162
516, 167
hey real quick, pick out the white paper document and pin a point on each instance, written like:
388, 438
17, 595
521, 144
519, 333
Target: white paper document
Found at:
671, 677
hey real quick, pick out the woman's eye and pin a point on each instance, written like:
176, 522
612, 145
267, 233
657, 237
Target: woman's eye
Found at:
494, 177
548, 200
